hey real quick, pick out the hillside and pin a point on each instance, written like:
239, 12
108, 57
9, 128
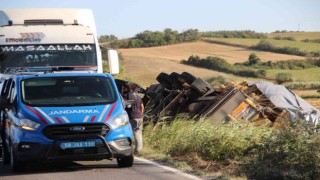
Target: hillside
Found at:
142, 65
303, 46
167, 59
297, 35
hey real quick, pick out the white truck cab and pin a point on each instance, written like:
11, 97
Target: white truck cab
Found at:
31, 38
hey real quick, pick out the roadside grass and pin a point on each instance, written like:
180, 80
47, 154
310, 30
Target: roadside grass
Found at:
311, 74
208, 149
234, 150
303, 46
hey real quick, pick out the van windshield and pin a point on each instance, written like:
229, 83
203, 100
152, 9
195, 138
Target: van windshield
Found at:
67, 91
27, 56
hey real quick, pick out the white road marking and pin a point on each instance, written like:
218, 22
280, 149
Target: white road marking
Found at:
175, 171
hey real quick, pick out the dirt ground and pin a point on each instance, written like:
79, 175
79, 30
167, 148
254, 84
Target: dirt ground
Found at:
314, 102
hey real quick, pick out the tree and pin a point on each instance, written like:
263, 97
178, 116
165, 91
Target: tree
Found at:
254, 60
170, 36
107, 38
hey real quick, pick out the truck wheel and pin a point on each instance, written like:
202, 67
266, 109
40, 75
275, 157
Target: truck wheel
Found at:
5, 154
177, 83
187, 77
163, 79
16, 165
125, 161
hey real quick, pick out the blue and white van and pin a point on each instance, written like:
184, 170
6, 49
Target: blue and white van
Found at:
60, 116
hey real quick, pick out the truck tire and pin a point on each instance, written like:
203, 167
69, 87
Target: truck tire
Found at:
176, 80
126, 161
5, 155
163, 78
16, 165
187, 77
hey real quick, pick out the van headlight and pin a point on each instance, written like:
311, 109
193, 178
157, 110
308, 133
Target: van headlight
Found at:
27, 124
120, 120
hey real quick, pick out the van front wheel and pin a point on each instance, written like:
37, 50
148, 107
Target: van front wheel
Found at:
126, 161
16, 165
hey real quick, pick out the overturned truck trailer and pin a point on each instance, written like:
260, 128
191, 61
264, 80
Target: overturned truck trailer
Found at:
261, 103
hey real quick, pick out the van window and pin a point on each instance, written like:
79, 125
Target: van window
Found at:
67, 91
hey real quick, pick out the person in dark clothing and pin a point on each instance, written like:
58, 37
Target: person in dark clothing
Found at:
135, 113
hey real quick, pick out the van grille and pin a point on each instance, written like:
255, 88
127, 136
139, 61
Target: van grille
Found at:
72, 131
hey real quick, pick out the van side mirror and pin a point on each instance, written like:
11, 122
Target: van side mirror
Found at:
113, 62
4, 102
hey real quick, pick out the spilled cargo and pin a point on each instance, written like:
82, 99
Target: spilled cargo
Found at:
259, 103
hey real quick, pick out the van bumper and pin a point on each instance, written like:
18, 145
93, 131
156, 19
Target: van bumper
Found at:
30, 151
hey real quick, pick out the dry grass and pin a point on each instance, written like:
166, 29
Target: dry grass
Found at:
306, 92
144, 70
314, 102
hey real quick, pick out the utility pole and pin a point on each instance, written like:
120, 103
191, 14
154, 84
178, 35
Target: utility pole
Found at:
298, 27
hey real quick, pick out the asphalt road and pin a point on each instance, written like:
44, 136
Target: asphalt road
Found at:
94, 170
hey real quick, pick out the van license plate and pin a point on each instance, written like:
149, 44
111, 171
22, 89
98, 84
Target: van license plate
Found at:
80, 144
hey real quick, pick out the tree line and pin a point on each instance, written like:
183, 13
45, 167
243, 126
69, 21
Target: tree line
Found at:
169, 36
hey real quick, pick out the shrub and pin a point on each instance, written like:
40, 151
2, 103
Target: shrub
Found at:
220, 64
303, 85
289, 38
290, 153
265, 45
311, 40
253, 59
233, 34
283, 77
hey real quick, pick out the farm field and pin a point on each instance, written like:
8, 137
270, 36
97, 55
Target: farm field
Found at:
142, 65
297, 35
182, 51
303, 46
312, 74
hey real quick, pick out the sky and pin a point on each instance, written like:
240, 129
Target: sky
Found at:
126, 18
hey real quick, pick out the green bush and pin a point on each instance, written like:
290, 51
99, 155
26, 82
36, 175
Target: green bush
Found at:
289, 38
233, 34
303, 85
283, 77
220, 64
253, 60
311, 40
265, 45
291, 153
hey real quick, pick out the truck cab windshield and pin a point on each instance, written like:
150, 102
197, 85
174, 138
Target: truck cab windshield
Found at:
28, 56
67, 91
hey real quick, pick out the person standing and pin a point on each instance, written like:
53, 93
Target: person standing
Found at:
135, 114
